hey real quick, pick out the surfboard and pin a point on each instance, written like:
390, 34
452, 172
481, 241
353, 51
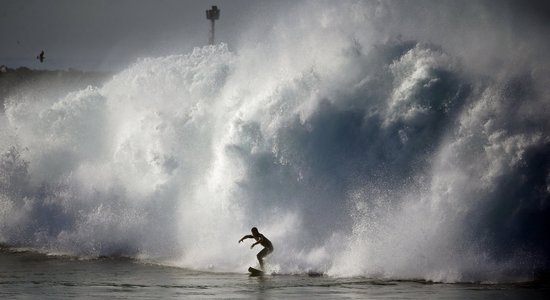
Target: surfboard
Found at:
255, 272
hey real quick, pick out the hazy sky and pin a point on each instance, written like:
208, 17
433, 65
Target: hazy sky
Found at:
108, 34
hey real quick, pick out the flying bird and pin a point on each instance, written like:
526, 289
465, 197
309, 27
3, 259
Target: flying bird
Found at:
41, 57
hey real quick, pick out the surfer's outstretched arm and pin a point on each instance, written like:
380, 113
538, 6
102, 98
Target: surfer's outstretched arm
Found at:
246, 237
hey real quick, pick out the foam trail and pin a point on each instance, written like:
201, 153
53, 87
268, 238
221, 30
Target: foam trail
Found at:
372, 155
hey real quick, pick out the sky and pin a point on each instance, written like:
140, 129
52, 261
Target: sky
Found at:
107, 35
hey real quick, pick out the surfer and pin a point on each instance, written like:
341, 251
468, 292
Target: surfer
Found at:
262, 240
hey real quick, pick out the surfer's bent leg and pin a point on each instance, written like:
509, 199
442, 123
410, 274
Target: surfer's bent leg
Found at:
262, 254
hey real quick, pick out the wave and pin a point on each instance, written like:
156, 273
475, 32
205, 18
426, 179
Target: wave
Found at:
388, 158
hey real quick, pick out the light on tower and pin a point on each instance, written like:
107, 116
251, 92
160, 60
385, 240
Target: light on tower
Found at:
212, 15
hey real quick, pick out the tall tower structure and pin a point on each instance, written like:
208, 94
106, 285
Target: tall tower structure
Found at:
212, 15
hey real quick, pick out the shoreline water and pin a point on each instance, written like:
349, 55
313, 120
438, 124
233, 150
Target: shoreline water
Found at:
37, 255
27, 274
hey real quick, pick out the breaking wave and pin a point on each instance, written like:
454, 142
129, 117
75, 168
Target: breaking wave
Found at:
373, 155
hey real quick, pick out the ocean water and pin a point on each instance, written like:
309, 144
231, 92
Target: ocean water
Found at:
378, 154
28, 275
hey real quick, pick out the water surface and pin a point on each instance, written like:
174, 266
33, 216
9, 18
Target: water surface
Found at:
28, 275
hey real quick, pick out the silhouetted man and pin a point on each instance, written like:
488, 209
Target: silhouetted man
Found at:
41, 57
262, 240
